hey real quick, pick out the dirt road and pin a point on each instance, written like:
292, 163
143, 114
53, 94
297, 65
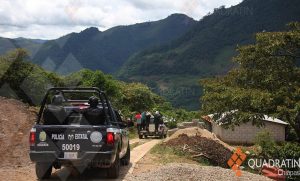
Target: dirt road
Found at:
140, 151
16, 120
133, 141
28, 172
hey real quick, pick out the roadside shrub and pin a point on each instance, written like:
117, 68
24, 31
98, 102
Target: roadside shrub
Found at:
172, 124
291, 134
270, 150
290, 151
266, 144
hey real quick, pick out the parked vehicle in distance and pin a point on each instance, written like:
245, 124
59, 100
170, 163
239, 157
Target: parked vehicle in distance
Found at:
161, 133
73, 129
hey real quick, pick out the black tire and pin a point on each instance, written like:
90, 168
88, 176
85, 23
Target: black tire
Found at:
126, 159
114, 171
140, 136
43, 170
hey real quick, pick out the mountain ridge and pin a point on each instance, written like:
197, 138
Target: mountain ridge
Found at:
206, 49
104, 50
108, 50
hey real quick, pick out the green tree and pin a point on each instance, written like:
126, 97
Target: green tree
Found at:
23, 80
138, 97
266, 81
128, 98
89, 78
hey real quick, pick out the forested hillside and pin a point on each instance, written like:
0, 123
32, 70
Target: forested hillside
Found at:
8, 44
28, 82
108, 50
174, 69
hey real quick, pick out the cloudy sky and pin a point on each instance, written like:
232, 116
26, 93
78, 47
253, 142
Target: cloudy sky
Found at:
49, 19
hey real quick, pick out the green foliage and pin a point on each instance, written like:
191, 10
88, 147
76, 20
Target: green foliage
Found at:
89, 78
206, 50
138, 97
129, 98
23, 80
270, 150
267, 81
266, 143
133, 133
169, 154
172, 124
290, 151
175, 115
133, 97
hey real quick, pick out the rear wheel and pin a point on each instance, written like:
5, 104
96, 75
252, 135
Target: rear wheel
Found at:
141, 136
126, 159
114, 171
43, 170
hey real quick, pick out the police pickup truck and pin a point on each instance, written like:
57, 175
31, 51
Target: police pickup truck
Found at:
78, 127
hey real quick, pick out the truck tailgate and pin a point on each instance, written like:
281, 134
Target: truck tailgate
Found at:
70, 138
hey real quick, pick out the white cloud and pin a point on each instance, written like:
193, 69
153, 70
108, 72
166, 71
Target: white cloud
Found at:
52, 19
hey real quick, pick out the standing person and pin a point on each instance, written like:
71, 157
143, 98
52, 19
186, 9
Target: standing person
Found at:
148, 117
130, 122
157, 120
55, 113
93, 114
143, 124
138, 118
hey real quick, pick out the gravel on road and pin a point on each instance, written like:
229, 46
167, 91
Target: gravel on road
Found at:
192, 172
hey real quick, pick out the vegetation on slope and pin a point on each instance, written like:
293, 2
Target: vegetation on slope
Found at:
206, 50
108, 50
266, 82
22, 80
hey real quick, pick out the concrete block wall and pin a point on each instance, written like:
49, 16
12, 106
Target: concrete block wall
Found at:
245, 133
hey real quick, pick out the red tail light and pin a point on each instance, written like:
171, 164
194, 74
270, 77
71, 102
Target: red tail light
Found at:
32, 137
110, 139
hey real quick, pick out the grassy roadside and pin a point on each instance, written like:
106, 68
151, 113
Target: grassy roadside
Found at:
166, 154
133, 133
134, 145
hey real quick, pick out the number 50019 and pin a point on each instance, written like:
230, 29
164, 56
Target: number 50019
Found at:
70, 147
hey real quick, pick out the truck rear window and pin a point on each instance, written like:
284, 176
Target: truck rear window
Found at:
73, 109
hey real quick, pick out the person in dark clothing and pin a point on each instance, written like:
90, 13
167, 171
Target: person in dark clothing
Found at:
143, 120
130, 122
94, 115
148, 117
157, 120
54, 113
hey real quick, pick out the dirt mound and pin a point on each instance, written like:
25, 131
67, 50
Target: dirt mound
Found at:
195, 131
16, 120
201, 143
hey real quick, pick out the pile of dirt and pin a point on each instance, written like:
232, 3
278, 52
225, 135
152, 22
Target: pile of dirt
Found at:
195, 131
201, 143
16, 120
